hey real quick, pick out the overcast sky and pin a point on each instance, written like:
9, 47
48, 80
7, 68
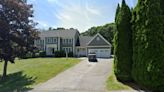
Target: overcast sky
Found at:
79, 14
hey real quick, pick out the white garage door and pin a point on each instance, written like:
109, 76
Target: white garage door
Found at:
101, 53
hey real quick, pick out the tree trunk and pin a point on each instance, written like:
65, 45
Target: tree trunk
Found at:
4, 70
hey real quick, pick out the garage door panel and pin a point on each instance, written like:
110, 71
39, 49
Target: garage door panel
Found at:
101, 53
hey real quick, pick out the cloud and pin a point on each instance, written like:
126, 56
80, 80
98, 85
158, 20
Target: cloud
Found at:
80, 15
92, 9
51, 0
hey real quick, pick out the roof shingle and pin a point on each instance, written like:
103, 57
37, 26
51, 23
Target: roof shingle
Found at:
84, 40
66, 33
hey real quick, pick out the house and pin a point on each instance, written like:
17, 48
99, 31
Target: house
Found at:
70, 40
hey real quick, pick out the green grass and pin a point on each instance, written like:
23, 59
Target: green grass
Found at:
113, 84
26, 73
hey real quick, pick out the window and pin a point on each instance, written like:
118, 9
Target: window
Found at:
48, 40
41, 41
70, 40
97, 38
66, 40
78, 50
63, 40
106, 50
67, 49
51, 40
54, 40
70, 49
37, 41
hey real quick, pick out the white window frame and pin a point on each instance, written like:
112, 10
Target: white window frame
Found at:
67, 49
70, 41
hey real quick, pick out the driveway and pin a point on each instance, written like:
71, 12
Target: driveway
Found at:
84, 77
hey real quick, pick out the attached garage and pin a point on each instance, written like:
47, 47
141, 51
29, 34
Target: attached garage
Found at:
101, 53
97, 44
100, 46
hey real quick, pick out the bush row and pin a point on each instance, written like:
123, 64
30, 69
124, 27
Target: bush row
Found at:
43, 54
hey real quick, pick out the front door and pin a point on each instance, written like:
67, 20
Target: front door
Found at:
53, 51
50, 49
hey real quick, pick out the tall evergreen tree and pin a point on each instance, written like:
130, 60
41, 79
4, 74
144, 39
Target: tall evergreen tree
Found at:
162, 6
117, 11
17, 32
123, 44
148, 42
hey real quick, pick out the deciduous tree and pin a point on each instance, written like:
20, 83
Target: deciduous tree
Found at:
17, 31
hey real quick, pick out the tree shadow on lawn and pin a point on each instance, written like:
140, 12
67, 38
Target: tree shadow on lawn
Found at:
135, 86
16, 82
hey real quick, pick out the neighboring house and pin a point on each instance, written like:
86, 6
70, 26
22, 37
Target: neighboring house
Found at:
70, 40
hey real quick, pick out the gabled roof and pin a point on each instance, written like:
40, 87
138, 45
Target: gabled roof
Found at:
64, 33
84, 40
99, 35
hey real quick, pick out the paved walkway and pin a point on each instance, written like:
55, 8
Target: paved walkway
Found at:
84, 77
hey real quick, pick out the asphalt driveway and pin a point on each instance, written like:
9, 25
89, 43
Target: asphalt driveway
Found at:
84, 77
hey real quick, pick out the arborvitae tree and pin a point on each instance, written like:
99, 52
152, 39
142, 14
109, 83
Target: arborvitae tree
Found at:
148, 45
162, 6
123, 44
117, 11
17, 31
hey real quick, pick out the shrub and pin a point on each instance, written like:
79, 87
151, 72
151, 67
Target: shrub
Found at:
27, 55
36, 55
42, 53
70, 54
60, 53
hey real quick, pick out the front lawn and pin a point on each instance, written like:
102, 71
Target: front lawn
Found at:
114, 84
26, 73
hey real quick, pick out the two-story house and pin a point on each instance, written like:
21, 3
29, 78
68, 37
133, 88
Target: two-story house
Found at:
70, 40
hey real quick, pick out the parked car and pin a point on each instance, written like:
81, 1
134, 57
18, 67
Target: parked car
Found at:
92, 57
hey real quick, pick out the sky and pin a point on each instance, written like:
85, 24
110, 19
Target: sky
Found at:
78, 14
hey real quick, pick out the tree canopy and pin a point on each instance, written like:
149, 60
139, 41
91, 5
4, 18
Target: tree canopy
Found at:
107, 31
17, 32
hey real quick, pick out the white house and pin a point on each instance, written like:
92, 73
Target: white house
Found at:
70, 40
